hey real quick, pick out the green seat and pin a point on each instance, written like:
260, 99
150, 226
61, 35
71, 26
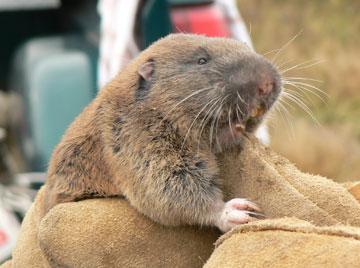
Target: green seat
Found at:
155, 21
55, 83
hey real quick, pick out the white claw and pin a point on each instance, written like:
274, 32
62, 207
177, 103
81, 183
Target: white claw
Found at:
237, 211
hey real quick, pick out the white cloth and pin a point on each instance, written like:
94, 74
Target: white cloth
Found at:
117, 45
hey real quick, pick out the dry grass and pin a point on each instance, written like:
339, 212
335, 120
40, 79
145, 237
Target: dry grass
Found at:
329, 31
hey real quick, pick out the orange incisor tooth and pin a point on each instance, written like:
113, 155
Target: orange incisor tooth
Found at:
239, 127
257, 111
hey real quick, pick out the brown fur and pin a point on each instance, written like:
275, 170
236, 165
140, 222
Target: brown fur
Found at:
134, 143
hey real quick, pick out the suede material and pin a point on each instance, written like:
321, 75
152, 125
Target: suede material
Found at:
116, 235
110, 233
354, 189
287, 242
27, 252
281, 190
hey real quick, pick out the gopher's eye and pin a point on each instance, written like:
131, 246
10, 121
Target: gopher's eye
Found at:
202, 61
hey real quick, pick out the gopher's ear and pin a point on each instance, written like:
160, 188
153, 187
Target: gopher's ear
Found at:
146, 70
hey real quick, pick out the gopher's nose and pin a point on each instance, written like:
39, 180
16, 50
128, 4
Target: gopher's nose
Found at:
266, 85
254, 76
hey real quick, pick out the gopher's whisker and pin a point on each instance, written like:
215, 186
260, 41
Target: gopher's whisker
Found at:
302, 85
305, 90
173, 76
217, 116
216, 72
273, 60
300, 93
283, 64
237, 112
285, 115
214, 119
241, 99
291, 78
301, 104
303, 65
184, 99
206, 118
193, 122
229, 119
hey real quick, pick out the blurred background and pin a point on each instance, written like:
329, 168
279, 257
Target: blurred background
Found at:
55, 55
329, 32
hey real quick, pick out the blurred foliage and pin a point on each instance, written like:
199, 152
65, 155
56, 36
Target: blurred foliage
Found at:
328, 31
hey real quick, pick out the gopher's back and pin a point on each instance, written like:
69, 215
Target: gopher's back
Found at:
78, 168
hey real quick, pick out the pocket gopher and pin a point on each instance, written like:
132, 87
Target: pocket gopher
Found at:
152, 134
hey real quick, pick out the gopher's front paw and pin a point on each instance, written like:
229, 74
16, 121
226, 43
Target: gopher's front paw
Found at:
238, 211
